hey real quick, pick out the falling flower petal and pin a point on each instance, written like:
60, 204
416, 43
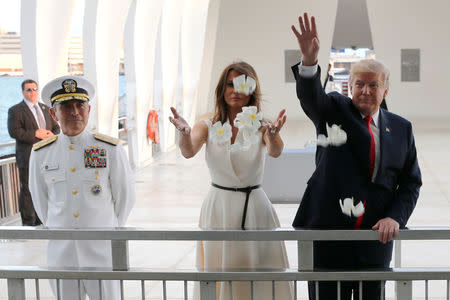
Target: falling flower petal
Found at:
244, 85
358, 210
348, 208
335, 137
221, 133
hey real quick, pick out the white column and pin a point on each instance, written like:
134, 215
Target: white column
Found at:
103, 28
45, 34
195, 14
170, 44
140, 41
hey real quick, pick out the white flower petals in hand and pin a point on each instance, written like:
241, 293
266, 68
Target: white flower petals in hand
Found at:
336, 137
348, 208
221, 133
243, 85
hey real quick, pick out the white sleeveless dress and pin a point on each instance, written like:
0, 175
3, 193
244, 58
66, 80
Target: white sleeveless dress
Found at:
223, 209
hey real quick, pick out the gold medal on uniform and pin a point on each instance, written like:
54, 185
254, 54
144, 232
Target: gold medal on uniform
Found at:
96, 189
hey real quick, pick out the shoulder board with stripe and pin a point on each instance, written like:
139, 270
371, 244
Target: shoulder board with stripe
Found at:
106, 138
43, 143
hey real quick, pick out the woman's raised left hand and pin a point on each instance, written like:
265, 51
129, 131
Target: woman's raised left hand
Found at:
274, 127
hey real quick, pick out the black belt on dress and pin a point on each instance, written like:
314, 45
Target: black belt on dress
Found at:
247, 190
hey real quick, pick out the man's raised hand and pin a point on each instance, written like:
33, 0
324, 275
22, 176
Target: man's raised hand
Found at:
308, 40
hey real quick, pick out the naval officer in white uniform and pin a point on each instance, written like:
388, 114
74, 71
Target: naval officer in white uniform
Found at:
77, 180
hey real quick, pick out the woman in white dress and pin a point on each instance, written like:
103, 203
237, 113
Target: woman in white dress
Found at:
236, 140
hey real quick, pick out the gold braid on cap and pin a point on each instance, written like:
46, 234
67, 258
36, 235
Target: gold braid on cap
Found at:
71, 96
69, 91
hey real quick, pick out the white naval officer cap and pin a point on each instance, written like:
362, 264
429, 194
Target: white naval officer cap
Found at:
66, 88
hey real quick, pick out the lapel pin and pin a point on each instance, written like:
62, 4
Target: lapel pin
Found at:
387, 129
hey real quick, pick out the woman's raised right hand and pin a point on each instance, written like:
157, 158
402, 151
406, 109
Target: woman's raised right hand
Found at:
179, 122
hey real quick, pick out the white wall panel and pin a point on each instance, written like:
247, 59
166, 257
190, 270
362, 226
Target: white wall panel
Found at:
258, 31
424, 25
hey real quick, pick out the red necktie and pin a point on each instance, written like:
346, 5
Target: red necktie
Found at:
367, 120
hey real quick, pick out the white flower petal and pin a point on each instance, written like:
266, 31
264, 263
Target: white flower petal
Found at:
251, 85
239, 84
221, 133
345, 208
358, 210
322, 140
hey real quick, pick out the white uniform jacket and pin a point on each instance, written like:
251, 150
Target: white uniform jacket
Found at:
80, 182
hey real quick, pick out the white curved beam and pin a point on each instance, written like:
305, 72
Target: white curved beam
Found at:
195, 14
140, 41
45, 34
103, 28
170, 44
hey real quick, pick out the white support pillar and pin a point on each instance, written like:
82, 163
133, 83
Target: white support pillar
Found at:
103, 28
170, 44
45, 34
140, 40
195, 15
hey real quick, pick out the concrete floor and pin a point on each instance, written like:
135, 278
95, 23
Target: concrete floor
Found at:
170, 192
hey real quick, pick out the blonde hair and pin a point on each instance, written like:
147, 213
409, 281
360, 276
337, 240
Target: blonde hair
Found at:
221, 109
369, 66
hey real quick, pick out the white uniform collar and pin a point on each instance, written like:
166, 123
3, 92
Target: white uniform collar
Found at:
77, 139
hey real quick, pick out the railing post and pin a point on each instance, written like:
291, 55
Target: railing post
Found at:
16, 289
207, 290
305, 255
398, 253
404, 290
119, 251
6, 190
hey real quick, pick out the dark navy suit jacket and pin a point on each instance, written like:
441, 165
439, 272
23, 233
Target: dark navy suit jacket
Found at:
342, 172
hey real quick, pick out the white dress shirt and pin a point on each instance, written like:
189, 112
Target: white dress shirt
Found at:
33, 111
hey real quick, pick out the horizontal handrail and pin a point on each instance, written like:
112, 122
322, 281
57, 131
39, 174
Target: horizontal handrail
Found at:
395, 274
5, 161
283, 234
7, 144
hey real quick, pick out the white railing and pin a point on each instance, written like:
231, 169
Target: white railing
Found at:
121, 271
9, 188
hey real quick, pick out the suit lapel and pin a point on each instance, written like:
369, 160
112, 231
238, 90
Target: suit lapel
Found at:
29, 115
360, 139
385, 142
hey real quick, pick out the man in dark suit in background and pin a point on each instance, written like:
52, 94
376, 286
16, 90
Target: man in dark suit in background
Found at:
28, 123
376, 166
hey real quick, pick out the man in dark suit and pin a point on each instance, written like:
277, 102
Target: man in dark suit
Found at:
28, 123
376, 166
